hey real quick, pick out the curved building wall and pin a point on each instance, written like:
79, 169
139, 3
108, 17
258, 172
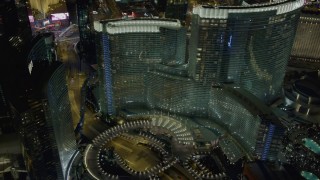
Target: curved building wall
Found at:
38, 143
129, 49
234, 116
46, 127
42, 49
131, 56
250, 48
176, 94
247, 45
60, 116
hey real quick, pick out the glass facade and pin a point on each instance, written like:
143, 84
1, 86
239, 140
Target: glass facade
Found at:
128, 50
41, 154
60, 116
15, 38
247, 46
143, 62
232, 114
13, 16
46, 128
176, 94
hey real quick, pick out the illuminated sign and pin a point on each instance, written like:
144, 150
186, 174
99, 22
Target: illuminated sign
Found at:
59, 16
31, 18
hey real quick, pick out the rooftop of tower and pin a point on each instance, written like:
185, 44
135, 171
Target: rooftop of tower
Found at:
222, 11
135, 25
221, 3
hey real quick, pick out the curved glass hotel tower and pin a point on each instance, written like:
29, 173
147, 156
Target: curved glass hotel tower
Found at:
132, 48
247, 45
46, 123
142, 62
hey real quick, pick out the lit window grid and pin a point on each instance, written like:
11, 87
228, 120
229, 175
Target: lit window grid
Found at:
175, 94
234, 50
235, 117
133, 54
59, 116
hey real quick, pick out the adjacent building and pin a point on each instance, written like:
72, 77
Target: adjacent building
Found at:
46, 124
176, 9
306, 47
87, 36
14, 41
15, 36
35, 90
304, 94
46, 128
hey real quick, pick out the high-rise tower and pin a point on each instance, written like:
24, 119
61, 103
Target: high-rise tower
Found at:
237, 57
15, 36
128, 49
248, 45
46, 126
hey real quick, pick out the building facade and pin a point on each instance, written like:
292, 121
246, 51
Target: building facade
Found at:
249, 120
46, 126
306, 45
60, 117
237, 58
247, 45
230, 112
169, 91
303, 95
269, 138
128, 50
